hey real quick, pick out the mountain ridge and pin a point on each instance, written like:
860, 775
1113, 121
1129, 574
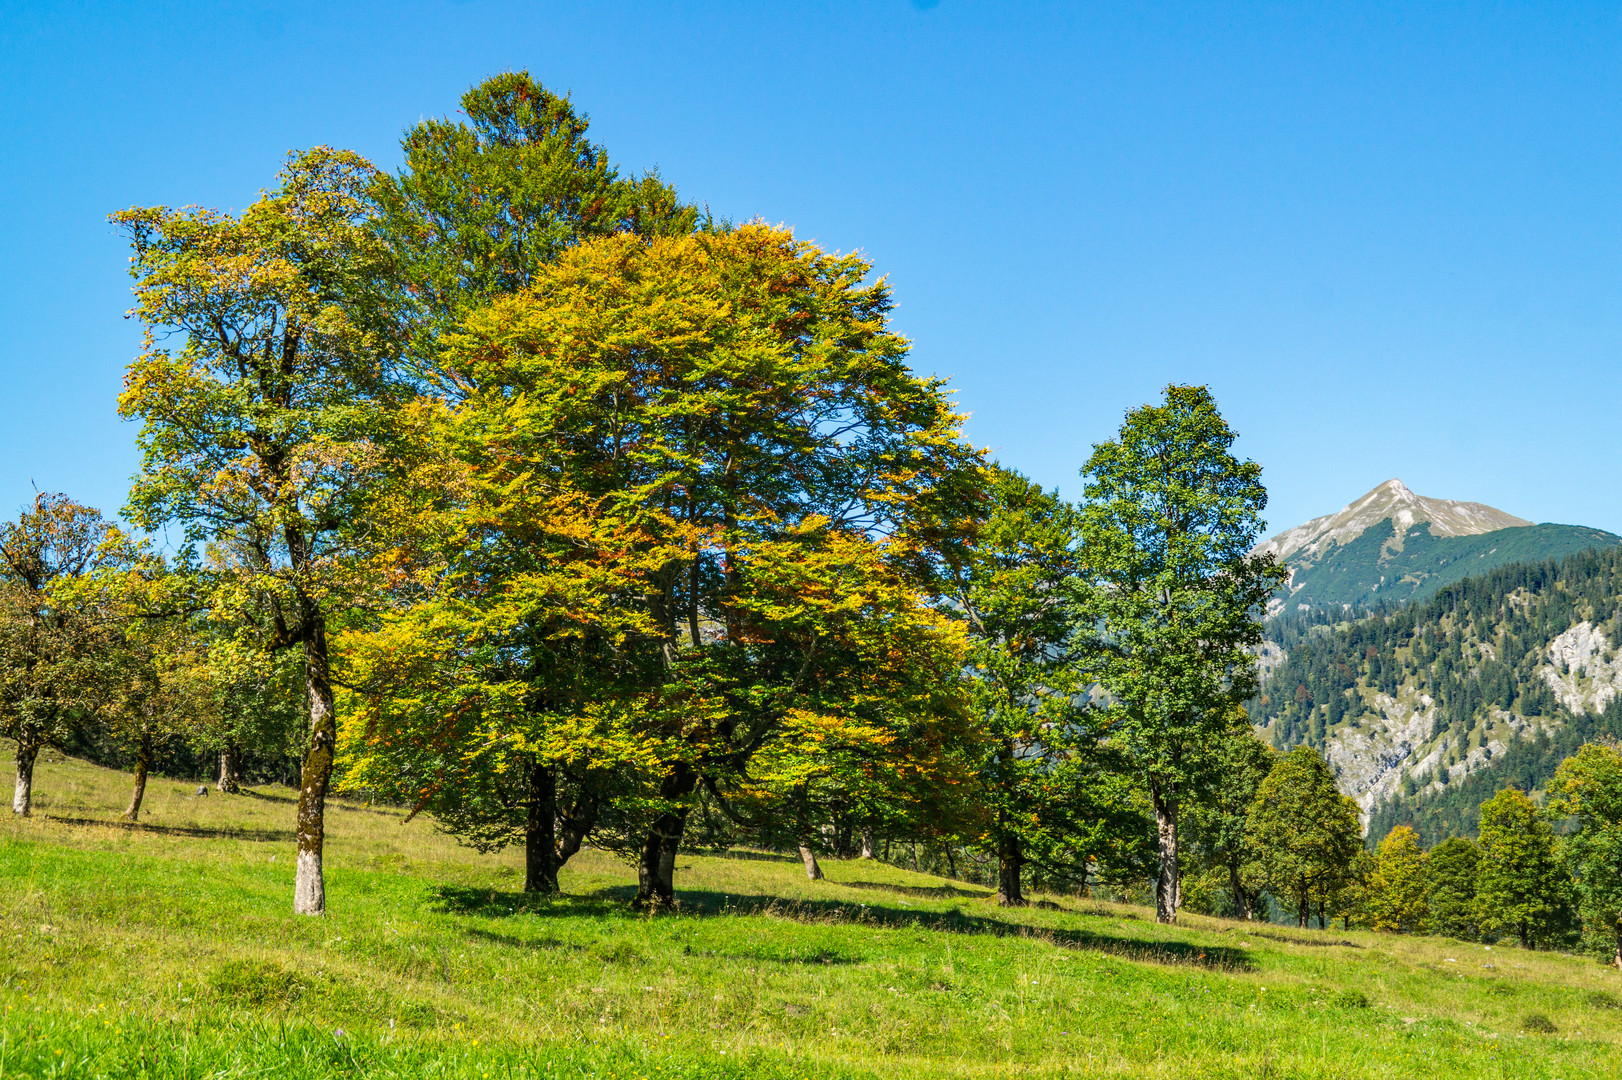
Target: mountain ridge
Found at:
1393, 545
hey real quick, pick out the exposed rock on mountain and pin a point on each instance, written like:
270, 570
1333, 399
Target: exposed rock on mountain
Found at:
1427, 710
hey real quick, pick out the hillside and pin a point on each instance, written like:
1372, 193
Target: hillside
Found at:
1392, 546
1427, 710
169, 950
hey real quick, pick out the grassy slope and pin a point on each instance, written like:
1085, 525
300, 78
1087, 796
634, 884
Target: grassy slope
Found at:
170, 950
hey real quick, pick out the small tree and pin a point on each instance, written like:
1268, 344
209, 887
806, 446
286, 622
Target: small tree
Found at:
1399, 886
1168, 523
1306, 831
1453, 867
47, 642
1017, 594
1521, 888
1588, 788
1217, 818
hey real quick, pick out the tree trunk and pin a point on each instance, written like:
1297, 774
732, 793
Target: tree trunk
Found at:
951, 862
1526, 937
143, 762
1241, 902
813, 872
1617, 958
1167, 885
1303, 908
230, 769
1010, 866
540, 831
1322, 925
22, 802
867, 841
309, 887
656, 865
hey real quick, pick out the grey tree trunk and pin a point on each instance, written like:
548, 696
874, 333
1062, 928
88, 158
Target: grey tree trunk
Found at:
143, 762
540, 831
867, 841
309, 887
1168, 887
1241, 902
22, 801
813, 871
1010, 867
230, 782
656, 865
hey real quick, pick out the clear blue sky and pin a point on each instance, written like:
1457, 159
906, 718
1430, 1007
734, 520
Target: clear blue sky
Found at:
1389, 237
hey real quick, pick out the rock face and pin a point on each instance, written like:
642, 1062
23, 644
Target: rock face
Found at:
1584, 671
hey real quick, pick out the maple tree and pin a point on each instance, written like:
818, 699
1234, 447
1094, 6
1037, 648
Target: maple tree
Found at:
49, 641
1168, 520
259, 391
727, 403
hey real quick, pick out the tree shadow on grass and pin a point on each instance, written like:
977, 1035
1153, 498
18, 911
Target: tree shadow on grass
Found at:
926, 892
225, 833
1291, 939
749, 856
700, 903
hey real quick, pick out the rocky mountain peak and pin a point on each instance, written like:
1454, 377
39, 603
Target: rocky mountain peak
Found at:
1396, 501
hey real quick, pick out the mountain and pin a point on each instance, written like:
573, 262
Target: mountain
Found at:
1392, 545
1426, 710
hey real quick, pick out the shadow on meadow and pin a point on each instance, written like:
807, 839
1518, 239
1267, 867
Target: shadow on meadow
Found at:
614, 902
923, 892
191, 831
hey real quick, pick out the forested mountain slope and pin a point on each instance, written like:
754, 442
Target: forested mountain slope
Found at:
1428, 709
1391, 545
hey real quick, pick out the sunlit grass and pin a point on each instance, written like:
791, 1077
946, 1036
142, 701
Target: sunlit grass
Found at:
171, 948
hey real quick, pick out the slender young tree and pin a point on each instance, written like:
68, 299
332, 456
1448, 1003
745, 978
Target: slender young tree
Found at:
256, 391
49, 642
1587, 788
1307, 832
1168, 522
1521, 888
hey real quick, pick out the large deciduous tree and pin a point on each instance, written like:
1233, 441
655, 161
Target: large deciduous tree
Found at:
49, 643
1306, 831
1168, 522
256, 391
738, 397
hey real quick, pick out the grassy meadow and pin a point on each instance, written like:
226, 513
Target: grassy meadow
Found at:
170, 950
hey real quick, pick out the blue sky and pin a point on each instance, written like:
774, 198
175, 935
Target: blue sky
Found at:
1389, 237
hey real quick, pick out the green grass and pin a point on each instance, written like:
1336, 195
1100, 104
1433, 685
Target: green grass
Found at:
170, 950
